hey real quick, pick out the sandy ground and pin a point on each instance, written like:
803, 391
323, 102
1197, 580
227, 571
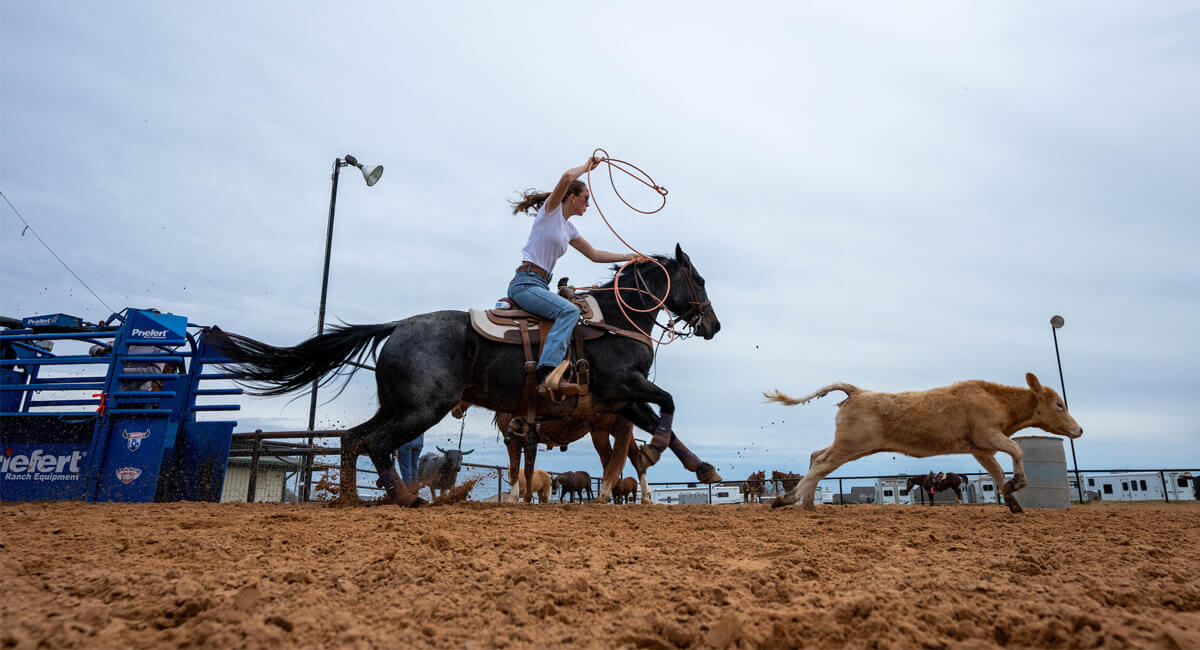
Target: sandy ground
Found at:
483, 575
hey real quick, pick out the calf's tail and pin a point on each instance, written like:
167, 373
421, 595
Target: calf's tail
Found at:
792, 401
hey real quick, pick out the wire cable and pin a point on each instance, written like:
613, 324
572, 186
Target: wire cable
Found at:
60, 260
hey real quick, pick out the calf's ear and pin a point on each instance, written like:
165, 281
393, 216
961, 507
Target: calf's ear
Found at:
1033, 382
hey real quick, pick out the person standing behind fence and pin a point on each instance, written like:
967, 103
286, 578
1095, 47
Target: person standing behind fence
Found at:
549, 237
406, 460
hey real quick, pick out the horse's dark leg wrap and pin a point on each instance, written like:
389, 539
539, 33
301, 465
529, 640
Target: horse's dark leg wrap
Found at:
691, 462
705, 472
390, 482
662, 432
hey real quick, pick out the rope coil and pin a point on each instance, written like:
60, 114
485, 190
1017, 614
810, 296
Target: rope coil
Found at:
669, 332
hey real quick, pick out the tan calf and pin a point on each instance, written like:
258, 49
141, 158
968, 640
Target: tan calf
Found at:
969, 417
541, 486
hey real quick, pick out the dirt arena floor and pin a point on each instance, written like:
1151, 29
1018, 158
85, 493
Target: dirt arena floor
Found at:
483, 575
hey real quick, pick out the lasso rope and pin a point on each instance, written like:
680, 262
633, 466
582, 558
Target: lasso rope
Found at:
642, 177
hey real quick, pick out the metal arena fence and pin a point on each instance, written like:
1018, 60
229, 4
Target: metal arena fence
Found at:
1117, 484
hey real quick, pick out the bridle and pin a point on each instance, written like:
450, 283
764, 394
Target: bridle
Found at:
690, 317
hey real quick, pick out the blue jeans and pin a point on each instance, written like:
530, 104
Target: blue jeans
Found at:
406, 458
532, 293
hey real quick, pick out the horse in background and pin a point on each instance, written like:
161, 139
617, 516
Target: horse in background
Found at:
572, 483
932, 483
787, 479
754, 487
564, 431
625, 490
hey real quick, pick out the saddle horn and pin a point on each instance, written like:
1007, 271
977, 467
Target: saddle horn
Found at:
439, 449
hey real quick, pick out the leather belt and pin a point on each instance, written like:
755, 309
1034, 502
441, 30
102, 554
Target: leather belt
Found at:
530, 266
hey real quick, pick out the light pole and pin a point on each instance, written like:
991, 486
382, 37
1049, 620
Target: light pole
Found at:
371, 175
1057, 322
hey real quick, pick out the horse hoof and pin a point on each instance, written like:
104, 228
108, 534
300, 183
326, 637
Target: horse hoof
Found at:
1015, 507
706, 473
778, 503
649, 454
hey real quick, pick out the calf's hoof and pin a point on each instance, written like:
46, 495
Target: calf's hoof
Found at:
706, 473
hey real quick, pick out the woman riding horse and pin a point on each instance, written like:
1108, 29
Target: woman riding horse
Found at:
548, 238
431, 362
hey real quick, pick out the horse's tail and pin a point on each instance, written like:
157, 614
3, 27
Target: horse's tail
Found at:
268, 370
792, 401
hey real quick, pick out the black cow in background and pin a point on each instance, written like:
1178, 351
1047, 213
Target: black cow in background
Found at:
440, 471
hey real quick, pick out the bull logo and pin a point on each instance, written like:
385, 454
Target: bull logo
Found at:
133, 439
128, 475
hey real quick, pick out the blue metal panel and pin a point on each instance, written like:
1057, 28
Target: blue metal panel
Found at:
45, 457
132, 459
139, 443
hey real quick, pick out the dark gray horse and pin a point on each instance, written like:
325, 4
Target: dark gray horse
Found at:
432, 361
572, 483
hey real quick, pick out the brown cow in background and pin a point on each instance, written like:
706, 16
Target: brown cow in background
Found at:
625, 491
970, 417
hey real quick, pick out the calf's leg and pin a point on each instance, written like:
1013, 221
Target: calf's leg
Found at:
997, 473
1005, 444
831, 458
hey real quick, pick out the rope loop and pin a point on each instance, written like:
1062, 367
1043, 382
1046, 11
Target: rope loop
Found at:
642, 177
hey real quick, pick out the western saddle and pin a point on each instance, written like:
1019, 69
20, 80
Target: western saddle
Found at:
519, 327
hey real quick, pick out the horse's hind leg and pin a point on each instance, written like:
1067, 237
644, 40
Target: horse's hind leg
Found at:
399, 429
352, 448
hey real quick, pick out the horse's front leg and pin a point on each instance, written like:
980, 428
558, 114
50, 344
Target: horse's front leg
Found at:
531, 443
514, 468
643, 391
611, 462
643, 416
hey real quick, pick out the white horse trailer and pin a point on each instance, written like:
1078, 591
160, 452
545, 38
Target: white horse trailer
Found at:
892, 490
981, 489
696, 493
1142, 486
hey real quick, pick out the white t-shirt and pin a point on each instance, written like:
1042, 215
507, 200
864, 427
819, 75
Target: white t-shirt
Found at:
549, 238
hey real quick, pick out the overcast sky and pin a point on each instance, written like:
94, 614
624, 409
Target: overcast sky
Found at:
898, 196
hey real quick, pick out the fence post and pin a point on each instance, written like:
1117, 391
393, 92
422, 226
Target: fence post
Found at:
1163, 477
841, 494
253, 483
499, 485
710, 494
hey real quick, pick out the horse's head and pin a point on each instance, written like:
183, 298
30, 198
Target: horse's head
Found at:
688, 299
912, 480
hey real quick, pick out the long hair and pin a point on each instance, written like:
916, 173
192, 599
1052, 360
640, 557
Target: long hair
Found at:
531, 200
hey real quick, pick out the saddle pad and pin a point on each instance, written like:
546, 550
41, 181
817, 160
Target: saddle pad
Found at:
491, 324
